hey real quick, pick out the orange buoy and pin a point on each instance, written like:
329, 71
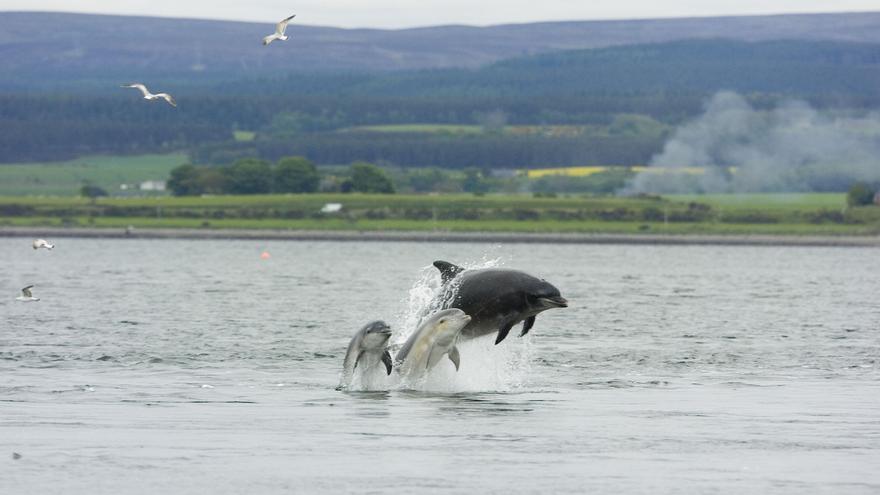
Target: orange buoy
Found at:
265, 255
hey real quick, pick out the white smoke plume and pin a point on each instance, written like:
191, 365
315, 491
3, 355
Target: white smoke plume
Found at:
792, 147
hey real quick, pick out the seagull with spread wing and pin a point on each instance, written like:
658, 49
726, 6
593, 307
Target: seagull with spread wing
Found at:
41, 243
279, 31
26, 295
151, 96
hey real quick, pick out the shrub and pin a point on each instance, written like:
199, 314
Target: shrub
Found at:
860, 194
296, 175
92, 191
368, 178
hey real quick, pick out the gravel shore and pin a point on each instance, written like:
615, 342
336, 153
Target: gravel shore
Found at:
439, 236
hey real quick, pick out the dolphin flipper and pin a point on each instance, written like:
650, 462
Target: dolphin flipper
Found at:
527, 325
386, 358
502, 333
448, 271
455, 357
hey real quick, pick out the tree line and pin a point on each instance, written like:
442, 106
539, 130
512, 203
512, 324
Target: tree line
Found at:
445, 151
299, 175
288, 175
45, 127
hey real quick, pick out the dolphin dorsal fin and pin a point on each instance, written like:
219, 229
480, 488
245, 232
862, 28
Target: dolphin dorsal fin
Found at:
448, 271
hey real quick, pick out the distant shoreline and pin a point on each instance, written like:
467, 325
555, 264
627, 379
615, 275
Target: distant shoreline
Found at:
443, 236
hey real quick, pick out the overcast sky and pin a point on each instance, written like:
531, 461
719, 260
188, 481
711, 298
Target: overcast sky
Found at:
411, 13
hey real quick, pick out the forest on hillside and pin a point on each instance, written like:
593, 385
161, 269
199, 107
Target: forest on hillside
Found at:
622, 102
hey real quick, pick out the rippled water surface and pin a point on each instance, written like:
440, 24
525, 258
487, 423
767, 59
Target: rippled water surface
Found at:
197, 367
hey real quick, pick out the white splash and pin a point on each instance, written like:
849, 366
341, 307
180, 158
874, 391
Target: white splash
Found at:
425, 291
369, 376
485, 367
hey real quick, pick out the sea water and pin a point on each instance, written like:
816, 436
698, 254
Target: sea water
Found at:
198, 367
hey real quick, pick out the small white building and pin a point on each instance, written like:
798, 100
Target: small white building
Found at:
152, 185
331, 208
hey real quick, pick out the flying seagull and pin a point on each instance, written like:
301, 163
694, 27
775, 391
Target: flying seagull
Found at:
279, 31
41, 243
151, 96
26, 295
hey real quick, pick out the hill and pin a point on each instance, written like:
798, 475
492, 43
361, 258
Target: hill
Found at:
322, 116
789, 67
76, 51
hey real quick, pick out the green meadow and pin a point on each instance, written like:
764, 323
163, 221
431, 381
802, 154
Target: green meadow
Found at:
569, 130
66, 178
47, 194
774, 202
801, 214
423, 128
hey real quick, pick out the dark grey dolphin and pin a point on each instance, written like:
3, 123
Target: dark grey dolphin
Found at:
496, 298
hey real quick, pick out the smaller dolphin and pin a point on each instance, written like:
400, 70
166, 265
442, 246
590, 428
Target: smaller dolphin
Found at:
368, 341
435, 337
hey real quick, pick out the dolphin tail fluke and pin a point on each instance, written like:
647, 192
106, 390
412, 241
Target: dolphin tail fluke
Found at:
448, 271
386, 358
455, 357
527, 325
503, 333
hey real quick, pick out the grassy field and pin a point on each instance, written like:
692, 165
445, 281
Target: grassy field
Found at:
426, 128
553, 130
807, 214
66, 178
350, 201
772, 202
244, 136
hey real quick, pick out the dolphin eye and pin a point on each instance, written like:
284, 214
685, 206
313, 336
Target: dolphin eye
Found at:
443, 321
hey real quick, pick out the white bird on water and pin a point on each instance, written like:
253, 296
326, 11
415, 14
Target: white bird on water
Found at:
151, 96
26, 295
41, 243
279, 31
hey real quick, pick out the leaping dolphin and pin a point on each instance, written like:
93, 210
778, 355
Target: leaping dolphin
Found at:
496, 298
436, 336
369, 343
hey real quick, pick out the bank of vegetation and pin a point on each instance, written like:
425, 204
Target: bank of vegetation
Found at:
792, 214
